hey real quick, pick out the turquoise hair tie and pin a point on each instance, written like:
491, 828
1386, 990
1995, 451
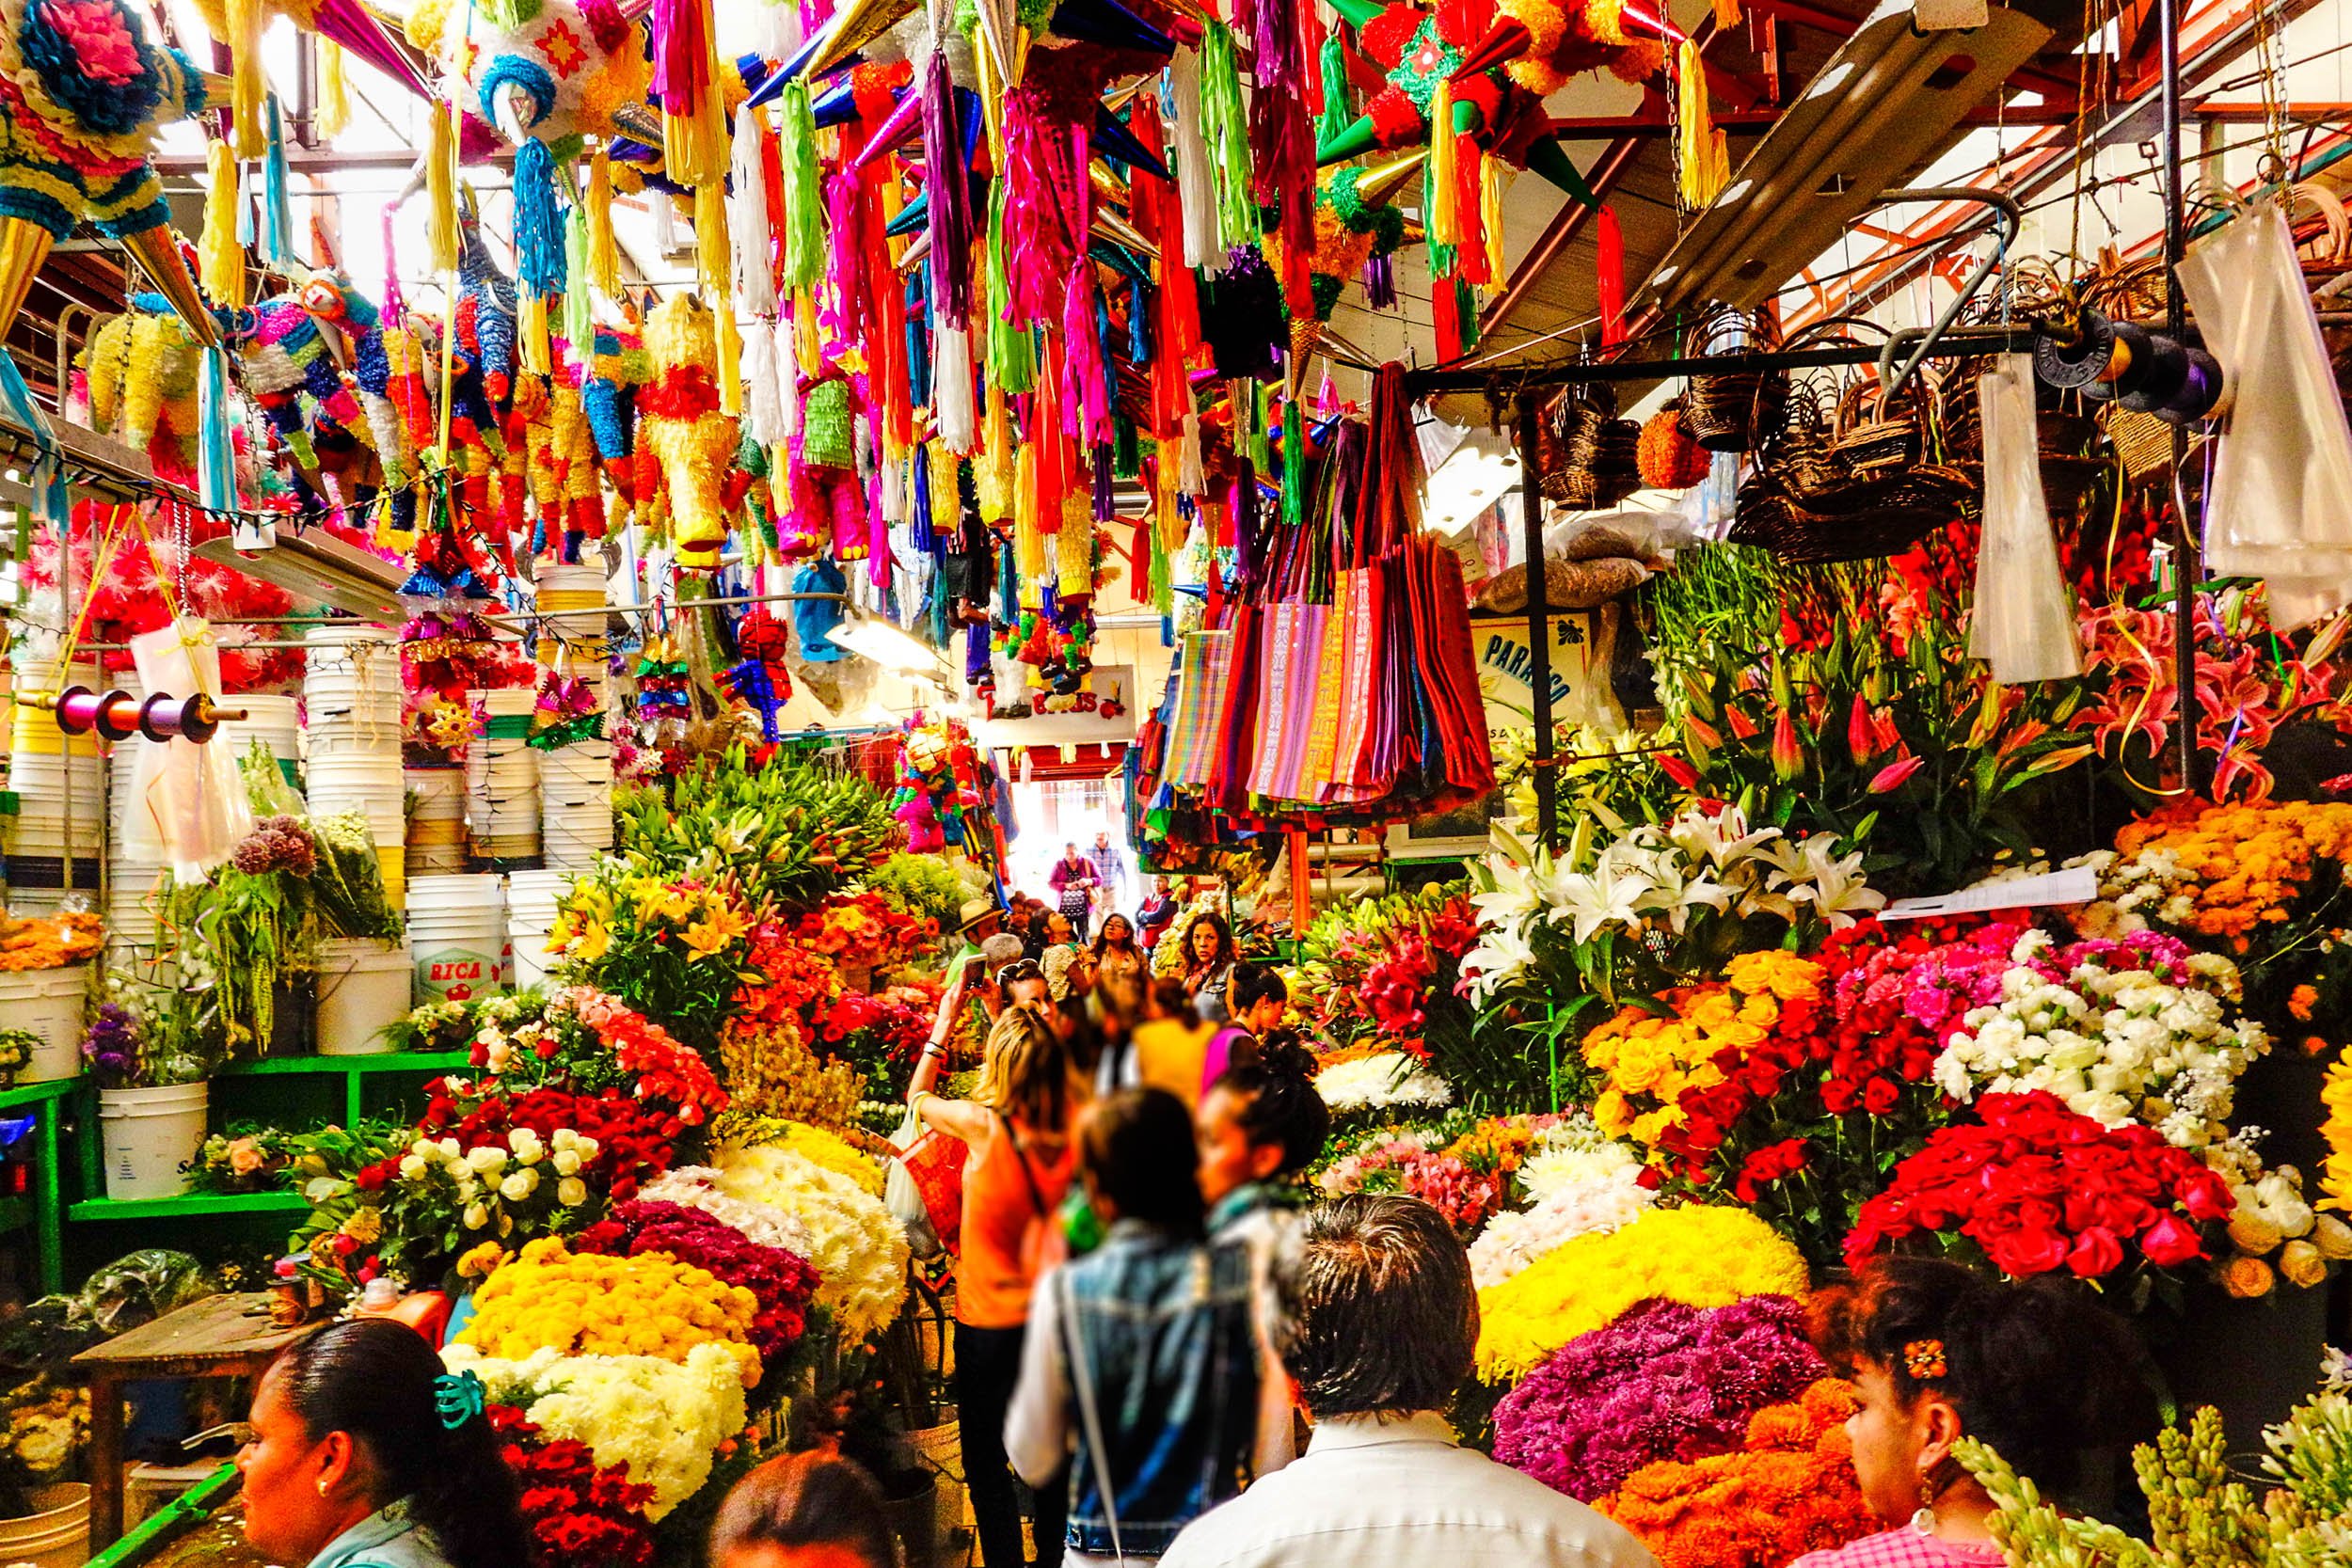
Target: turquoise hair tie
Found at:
458, 1396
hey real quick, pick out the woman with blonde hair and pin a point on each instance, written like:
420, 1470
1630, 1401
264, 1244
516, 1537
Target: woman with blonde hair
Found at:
1017, 1126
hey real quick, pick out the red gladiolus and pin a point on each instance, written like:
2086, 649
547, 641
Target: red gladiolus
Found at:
1891, 777
1787, 761
1859, 737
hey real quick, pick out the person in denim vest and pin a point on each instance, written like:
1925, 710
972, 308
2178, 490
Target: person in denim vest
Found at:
1141, 1368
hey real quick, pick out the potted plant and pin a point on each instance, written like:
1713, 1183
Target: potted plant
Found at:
153, 1091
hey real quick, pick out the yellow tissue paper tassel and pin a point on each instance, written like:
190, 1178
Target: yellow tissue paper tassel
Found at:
694, 147
334, 112
1028, 541
604, 250
247, 86
991, 467
1698, 149
1442, 150
1727, 15
440, 190
220, 258
1491, 179
1074, 546
1604, 21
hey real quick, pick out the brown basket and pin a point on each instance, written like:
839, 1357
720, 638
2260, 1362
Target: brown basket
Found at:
1723, 413
1581, 423
1871, 437
2142, 441
1866, 518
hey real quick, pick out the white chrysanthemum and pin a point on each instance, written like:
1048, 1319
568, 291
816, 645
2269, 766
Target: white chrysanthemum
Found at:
1390, 1079
695, 1187
661, 1421
857, 1245
1604, 1201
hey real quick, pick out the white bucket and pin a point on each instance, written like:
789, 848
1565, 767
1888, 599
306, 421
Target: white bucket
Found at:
56, 1535
457, 933
363, 991
48, 1003
149, 1134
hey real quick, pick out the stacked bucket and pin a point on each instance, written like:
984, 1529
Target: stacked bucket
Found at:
351, 691
533, 898
133, 880
60, 787
274, 722
457, 933
502, 781
575, 780
436, 821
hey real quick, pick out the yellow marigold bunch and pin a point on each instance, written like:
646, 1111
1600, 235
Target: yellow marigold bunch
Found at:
2240, 867
749, 1130
771, 1071
584, 1304
1700, 1256
1649, 1062
2335, 1175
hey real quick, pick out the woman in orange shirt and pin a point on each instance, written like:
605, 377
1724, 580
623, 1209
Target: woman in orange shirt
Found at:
1017, 1128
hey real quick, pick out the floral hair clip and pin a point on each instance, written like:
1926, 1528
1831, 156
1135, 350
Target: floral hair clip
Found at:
457, 1397
1924, 1360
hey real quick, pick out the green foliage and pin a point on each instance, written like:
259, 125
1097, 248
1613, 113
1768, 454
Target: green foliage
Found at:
790, 833
924, 886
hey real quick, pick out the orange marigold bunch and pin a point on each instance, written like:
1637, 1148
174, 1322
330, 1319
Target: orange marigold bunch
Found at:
1789, 1490
2236, 868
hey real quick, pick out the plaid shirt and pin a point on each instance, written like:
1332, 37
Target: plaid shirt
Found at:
1903, 1547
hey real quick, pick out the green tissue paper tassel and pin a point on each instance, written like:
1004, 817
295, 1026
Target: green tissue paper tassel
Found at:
1162, 583
1294, 463
804, 195
579, 323
1225, 126
1336, 116
1012, 358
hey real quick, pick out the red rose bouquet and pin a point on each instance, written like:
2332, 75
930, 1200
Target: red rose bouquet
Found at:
581, 1514
2036, 1187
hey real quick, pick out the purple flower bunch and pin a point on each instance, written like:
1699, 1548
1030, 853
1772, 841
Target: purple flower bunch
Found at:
1664, 1381
111, 1046
276, 843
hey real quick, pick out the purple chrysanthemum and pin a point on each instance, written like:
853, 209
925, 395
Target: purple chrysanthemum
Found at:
1664, 1381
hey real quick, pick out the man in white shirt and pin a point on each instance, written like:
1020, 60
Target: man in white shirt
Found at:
1383, 1323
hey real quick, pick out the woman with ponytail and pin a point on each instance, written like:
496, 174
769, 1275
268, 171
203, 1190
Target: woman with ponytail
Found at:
365, 1453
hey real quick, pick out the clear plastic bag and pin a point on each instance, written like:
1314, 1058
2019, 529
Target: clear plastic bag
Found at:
2280, 505
2025, 625
188, 802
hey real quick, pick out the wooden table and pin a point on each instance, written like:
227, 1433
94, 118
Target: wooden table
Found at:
219, 1337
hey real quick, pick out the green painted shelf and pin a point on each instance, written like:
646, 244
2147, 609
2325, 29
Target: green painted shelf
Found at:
388, 1061
186, 1204
35, 1094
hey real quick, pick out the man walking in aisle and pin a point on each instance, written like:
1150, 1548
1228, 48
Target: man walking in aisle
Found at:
1110, 876
1383, 1326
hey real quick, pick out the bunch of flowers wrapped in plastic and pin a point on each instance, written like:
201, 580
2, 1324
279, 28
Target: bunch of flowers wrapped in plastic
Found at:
1579, 1182
815, 1144
776, 1072
1665, 1381
859, 1249
1655, 904
672, 944
1386, 1081
881, 1036
581, 1514
660, 1421
548, 1297
781, 1281
2120, 1030
587, 1041
783, 979
1700, 1256
2035, 1187
1788, 1489
1388, 969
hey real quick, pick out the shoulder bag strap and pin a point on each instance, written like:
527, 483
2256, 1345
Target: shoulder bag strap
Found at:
1082, 1380
1021, 1158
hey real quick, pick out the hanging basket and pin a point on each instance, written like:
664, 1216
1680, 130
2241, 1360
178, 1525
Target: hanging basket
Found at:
1582, 422
1871, 435
1866, 520
1724, 412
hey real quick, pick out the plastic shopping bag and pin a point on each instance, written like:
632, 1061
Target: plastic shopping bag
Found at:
189, 802
2280, 505
2025, 613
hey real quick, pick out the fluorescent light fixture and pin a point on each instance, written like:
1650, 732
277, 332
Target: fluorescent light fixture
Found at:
871, 638
318, 567
1886, 100
1470, 481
